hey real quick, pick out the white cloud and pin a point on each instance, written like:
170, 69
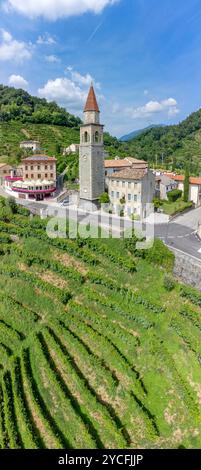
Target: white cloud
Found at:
6, 36
173, 111
146, 92
82, 80
65, 92
70, 91
54, 9
52, 59
11, 49
46, 39
170, 102
17, 81
168, 105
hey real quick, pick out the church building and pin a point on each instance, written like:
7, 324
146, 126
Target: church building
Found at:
91, 155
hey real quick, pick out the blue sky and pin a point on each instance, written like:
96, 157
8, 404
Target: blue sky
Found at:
144, 56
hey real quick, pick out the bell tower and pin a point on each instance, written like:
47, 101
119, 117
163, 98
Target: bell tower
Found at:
91, 156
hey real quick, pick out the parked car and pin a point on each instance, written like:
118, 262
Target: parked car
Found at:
65, 202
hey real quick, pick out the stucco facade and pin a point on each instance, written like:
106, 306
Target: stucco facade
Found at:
131, 190
5, 170
33, 145
39, 167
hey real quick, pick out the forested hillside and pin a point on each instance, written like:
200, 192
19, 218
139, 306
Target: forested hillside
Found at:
18, 105
177, 144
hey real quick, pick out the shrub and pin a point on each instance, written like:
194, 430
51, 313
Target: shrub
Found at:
5, 238
5, 214
65, 297
174, 195
130, 243
160, 255
192, 295
104, 198
168, 283
11, 203
157, 203
23, 211
135, 217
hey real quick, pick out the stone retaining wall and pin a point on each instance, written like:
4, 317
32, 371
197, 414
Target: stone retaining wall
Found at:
187, 269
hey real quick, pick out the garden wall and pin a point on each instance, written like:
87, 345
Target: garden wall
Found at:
187, 269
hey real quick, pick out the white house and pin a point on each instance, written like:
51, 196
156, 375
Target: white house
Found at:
118, 164
131, 189
72, 149
33, 145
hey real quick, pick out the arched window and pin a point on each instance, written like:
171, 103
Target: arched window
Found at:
96, 137
86, 137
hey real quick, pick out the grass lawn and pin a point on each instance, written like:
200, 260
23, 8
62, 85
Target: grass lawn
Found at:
172, 208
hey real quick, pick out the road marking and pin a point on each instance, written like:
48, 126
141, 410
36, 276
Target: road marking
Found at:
199, 251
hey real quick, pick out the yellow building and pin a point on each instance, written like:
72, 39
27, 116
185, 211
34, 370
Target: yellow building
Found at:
39, 167
5, 170
36, 178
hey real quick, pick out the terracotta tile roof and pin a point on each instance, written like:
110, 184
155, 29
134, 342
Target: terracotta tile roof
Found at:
117, 164
195, 180
126, 162
192, 179
30, 142
129, 173
135, 160
91, 103
37, 158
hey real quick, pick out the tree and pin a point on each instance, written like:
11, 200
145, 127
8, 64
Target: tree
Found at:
104, 198
186, 184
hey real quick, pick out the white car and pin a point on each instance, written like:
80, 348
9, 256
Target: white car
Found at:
65, 202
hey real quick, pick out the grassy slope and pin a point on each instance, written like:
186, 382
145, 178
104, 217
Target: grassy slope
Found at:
12, 133
108, 369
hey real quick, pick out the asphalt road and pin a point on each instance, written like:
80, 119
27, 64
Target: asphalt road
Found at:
180, 233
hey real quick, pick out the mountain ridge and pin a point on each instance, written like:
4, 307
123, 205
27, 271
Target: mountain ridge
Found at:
134, 134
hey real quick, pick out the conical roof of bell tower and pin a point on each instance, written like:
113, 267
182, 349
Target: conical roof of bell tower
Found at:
91, 103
